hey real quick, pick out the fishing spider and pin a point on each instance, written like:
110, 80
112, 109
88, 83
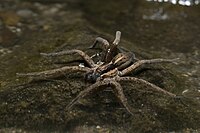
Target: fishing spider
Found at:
107, 74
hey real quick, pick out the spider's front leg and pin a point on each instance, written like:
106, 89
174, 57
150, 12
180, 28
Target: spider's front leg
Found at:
108, 50
115, 86
103, 43
54, 73
141, 62
86, 58
113, 49
117, 38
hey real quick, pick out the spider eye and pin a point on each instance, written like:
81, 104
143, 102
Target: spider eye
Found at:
92, 76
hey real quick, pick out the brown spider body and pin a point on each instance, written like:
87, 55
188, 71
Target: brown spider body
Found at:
119, 62
114, 69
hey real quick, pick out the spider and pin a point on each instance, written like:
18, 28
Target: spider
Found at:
106, 74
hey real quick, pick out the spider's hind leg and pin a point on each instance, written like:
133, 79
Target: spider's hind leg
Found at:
85, 92
142, 62
120, 95
115, 86
152, 86
54, 73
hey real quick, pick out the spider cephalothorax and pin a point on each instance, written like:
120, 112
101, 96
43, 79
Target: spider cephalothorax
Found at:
120, 61
92, 76
112, 70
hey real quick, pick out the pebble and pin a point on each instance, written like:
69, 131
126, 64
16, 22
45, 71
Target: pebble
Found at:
98, 127
25, 13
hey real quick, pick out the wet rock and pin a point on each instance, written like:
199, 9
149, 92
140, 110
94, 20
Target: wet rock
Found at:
7, 37
41, 106
10, 18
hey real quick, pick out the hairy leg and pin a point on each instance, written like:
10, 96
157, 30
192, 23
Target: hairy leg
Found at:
113, 49
120, 95
103, 43
54, 73
124, 65
123, 60
141, 62
115, 86
117, 38
85, 92
154, 87
87, 58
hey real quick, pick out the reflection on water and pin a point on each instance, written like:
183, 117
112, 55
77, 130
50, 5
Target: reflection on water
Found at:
158, 15
180, 2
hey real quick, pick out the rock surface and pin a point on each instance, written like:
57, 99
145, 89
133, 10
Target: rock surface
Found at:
46, 26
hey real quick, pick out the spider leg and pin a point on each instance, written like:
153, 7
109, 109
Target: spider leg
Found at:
87, 58
117, 38
103, 43
120, 95
83, 93
54, 73
115, 86
123, 60
124, 65
113, 49
141, 62
153, 87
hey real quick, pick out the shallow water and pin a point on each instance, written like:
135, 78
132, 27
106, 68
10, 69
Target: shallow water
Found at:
149, 29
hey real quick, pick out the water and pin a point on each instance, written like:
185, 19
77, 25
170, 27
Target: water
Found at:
180, 2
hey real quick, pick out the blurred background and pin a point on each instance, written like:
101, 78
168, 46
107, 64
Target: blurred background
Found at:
150, 29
